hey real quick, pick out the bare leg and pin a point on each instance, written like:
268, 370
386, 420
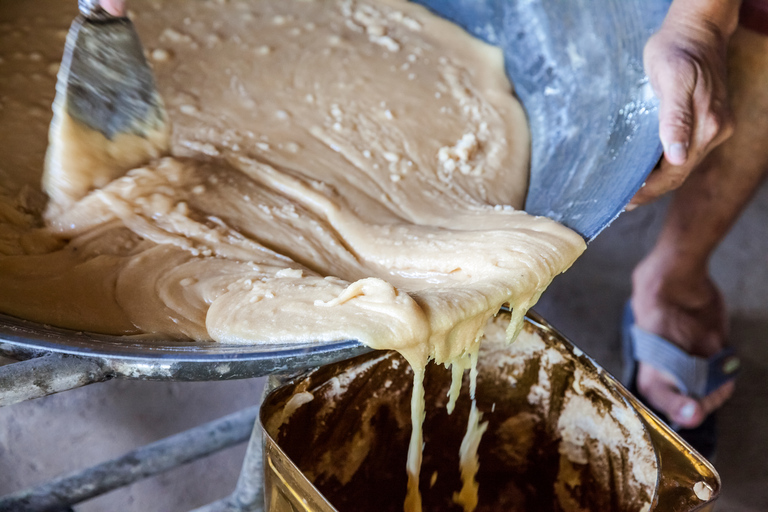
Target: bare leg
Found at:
673, 295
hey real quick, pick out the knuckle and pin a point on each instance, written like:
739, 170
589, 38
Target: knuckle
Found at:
717, 125
684, 68
711, 125
728, 130
727, 126
678, 118
673, 72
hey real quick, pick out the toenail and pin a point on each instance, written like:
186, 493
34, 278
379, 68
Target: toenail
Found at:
688, 411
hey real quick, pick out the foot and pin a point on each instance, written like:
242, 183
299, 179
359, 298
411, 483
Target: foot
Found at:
683, 306
114, 7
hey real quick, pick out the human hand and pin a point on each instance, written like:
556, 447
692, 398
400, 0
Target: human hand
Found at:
686, 63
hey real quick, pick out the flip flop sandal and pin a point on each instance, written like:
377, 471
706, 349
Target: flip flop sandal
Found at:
694, 376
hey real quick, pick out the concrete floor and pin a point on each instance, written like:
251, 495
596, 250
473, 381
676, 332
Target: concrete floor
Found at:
57, 434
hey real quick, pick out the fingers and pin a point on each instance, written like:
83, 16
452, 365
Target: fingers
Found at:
690, 413
674, 79
660, 391
675, 83
113, 7
717, 398
688, 77
708, 134
664, 178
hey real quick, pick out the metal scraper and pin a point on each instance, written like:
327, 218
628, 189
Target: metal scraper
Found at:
108, 116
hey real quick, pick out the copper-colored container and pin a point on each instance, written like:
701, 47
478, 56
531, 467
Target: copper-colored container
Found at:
563, 435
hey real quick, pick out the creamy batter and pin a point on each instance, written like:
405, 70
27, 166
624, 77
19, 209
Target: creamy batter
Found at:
339, 170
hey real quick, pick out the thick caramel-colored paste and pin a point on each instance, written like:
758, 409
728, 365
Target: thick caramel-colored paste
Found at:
338, 170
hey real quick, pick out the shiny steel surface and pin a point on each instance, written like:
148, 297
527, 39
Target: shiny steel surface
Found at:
152, 359
578, 71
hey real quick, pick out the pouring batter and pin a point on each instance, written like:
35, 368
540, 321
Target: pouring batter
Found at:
340, 171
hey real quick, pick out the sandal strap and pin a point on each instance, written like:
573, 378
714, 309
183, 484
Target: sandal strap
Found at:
694, 376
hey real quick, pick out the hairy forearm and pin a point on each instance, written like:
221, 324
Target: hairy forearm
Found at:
702, 212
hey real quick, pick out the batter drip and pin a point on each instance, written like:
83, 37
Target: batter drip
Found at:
345, 170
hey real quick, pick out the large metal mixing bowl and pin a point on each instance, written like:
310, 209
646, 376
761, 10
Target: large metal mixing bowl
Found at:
577, 68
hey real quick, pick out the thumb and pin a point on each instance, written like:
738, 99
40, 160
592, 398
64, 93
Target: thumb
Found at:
675, 121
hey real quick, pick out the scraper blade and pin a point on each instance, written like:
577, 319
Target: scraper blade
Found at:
107, 115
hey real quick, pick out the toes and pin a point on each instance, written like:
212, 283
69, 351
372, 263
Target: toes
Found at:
681, 410
689, 413
717, 398
660, 390
114, 7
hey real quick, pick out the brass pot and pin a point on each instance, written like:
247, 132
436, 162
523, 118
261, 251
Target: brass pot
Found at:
563, 435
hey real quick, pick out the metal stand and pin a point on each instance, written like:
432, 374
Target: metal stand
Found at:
47, 374
52, 373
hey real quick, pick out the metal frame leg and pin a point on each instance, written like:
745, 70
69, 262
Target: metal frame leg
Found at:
46, 375
248, 495
146, 461
51, 373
